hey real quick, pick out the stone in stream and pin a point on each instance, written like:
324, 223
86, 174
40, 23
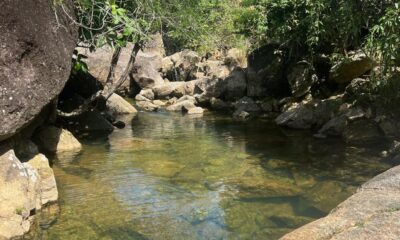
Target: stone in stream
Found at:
53, 139
116, 105
48, 186
19, 194
147, 106
193, 111
147, 93
159, 103
186, 102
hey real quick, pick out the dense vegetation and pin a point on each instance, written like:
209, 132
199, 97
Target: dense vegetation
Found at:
303, 28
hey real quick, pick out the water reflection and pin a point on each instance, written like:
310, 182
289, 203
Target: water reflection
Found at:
168, 176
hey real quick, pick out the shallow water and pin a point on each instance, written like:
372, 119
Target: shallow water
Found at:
170, 176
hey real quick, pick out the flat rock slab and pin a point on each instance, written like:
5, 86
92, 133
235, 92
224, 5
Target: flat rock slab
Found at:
372, 213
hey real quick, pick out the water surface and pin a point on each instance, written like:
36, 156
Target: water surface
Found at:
168, 176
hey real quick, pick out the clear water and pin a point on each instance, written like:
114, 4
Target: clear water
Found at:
169, 176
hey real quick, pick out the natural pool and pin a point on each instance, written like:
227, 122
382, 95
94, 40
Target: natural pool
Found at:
168, 176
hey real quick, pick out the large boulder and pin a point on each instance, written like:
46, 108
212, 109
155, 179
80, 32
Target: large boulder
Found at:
185, 65
19, 194
98, 63
301, 77
265, 73
235, 85
146, 70
35, 59
53, 139
350, 68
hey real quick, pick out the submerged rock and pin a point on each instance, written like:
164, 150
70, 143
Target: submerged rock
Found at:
53, 139
371, 213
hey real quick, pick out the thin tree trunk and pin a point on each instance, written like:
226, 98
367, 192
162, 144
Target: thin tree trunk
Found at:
110, 87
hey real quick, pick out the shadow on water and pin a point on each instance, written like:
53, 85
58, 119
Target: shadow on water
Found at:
168, 176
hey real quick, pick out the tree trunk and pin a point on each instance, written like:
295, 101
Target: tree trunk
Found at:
110, 87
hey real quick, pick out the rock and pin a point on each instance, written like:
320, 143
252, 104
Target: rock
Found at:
255, 186
390, 127
53, 139
167, 66
187, 97
335, 126
210, 87
194, 111
324, 195
19, 194
146, 70
25, 149
155, 45
35, 59
141, 98
236, 58
167, 169
241, 115
215, 69
159, 103
301, 78
147, 106
218, 104
361, 131
247, 104
269, 105
357, 88
371, 213
90, 121
178, 106
172, 101
48, 185
147, 93
116, 105
236, 85
185, 65
265, 73
174, 89
350, 68
309, 114
98, 63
